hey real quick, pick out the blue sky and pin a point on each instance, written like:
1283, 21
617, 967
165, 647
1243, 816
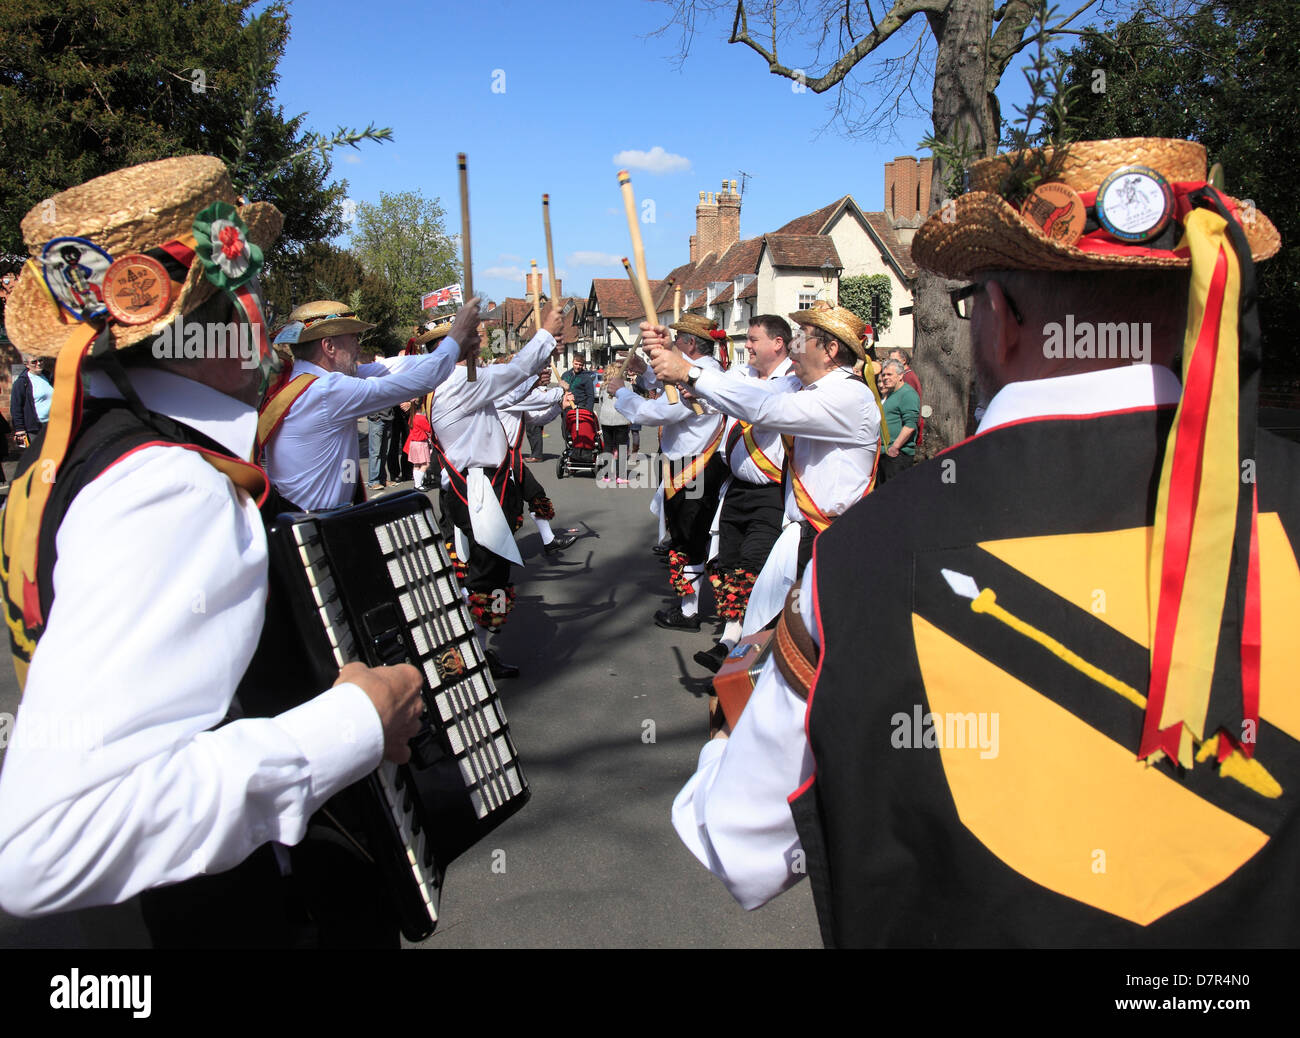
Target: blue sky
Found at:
576, 85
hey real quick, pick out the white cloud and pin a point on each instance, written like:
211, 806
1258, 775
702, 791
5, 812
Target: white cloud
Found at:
509, 257
594, 259
504, 273
352, 158
656, 161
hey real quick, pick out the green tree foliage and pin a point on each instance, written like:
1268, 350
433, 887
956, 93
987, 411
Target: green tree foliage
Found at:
402, 239
1226, 76
88, 87
857, 293
324, 271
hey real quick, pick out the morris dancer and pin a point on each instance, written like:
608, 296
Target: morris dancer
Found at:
1159, 733
749, 519
308, 425
479, 495
831, 424
540, 396
151, 614
694, 473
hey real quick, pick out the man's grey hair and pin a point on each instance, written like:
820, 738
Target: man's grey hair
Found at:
894, 365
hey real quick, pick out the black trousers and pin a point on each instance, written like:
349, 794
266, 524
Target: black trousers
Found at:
750, 524
485, 571
891, 467
688, 514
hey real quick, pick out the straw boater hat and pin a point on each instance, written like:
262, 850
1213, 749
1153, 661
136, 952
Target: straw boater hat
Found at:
146, 211
844, 324
433, 334
700, 327
981, 230
1147, 204
324, 318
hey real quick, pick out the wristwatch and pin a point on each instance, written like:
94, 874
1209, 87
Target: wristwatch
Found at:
694, 374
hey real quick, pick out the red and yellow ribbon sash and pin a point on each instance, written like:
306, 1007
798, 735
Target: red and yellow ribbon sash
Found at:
689, 472
1196, 511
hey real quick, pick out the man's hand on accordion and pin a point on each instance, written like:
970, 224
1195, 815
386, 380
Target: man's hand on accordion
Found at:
395, 693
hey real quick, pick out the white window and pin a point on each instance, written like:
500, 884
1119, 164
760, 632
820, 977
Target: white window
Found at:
806, 300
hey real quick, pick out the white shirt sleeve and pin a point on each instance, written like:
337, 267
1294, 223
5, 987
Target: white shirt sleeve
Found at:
493, 382
642, 411
829, 412
386, 385
734, 814
114, 781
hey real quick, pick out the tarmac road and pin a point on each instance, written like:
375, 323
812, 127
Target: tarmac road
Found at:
592, 861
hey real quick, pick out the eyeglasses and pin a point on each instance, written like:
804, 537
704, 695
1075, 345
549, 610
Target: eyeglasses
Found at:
963, 305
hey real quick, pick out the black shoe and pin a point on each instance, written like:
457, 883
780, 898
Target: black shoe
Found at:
564, 540
673, 620
500, 670
713, 659
661, 550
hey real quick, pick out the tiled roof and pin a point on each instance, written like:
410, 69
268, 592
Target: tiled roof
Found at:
618, 299
802, 250
814, 222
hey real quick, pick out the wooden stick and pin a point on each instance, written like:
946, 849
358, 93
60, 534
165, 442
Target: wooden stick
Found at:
471, 366
537, 299
638, 252
677, 303
550, 250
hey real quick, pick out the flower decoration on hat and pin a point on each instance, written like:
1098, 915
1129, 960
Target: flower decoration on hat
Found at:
230, 258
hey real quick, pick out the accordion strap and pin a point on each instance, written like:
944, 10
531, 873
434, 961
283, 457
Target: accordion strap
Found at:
795, 652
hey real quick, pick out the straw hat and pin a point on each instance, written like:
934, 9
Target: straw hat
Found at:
844, 324
433, 334
145, 214
324, 318
694, 324
982, 231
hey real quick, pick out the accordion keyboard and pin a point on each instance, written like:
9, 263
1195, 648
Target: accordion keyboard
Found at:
384, 592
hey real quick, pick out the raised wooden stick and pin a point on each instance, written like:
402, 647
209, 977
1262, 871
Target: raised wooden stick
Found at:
471, 367
638, 253
550, 250
537, 298
677, 303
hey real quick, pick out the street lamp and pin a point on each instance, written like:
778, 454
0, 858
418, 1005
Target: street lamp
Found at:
829, 273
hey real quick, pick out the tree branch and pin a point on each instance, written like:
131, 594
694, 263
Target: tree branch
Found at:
894, 20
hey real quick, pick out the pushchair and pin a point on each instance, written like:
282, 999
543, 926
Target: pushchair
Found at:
583, 443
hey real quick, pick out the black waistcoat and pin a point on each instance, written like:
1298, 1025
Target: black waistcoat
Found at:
926, 825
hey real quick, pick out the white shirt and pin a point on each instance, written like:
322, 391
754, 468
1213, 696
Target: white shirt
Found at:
685, 433
313, 458
733, 814
112, 782
835, 423
766, 440
464, 414
515, 408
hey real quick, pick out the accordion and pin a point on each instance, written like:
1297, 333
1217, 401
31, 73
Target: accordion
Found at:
372, 583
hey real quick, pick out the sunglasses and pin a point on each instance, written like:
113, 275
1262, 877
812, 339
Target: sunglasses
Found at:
963, 304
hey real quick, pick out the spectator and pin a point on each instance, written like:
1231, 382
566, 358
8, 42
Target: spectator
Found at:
581, 385
22, 403
909, 376
615, 429
902, 416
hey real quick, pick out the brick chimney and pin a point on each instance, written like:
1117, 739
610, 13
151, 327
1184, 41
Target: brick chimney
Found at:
728, 216
706, 226
907, 194
529, 283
